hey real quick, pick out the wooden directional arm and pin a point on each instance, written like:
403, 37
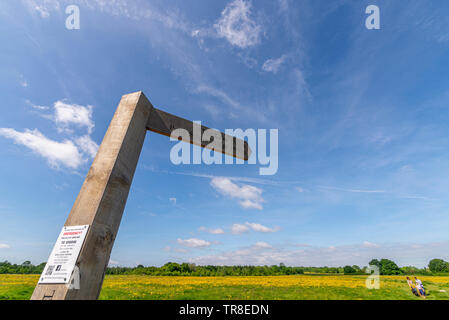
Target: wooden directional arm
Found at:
165, 123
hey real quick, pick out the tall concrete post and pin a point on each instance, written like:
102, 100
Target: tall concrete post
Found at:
102, 198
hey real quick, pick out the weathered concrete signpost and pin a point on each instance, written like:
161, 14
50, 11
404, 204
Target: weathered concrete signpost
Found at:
86, 241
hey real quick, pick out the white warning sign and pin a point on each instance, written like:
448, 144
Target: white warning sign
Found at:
63, 257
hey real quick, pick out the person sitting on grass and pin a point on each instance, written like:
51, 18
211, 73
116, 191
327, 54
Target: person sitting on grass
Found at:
420, 288
418, 281
412, 287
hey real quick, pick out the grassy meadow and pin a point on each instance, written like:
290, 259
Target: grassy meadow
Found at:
297, 287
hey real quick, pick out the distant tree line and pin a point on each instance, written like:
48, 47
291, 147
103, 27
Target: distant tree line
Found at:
386, 267
24, 268
188, 269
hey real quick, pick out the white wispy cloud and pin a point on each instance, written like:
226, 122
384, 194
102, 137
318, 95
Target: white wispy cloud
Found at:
250, 204
261, 228
273, 65
237, 26
73, 114
283, 5
220, 94
177, 250
57, 153
212, 230
352, 190
87, 145
262, 245
42, 7
302, 245
37, 107
237, 228
250, 196
237, 179
194, 243
4, 246
416, 197
113, 262
302, 87
300, 189
71, 152
136, 10
368, 244
24, 83
256, 254
235, 108
334, 256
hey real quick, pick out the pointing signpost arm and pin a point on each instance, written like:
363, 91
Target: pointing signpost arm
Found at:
101, 201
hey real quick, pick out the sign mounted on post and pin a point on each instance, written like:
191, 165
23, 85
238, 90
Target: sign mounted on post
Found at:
63, 258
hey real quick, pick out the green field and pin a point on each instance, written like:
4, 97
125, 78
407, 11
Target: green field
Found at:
298, 287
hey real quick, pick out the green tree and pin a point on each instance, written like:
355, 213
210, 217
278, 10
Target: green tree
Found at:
357, 268
171, 267
349, 270
438, 265
388, 267
375, 262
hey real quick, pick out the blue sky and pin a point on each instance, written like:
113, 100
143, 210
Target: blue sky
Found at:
362, 118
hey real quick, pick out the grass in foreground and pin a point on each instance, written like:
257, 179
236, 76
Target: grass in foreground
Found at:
300, 287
